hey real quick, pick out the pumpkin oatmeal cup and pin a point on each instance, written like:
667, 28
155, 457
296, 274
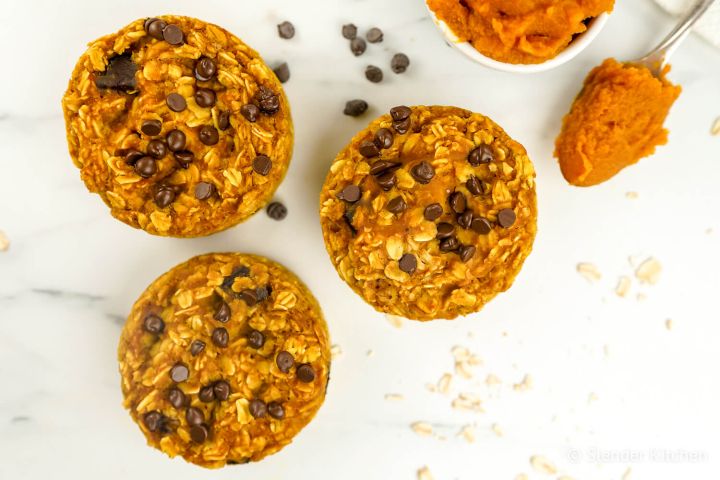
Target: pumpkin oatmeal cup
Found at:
429, 212
224, 359
178, 125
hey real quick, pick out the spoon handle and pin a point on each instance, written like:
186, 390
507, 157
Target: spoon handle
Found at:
666, 48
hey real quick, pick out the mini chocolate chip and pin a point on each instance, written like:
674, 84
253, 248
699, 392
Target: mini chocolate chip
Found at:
423, 172
276, 410
154, 27
223, 120
222, 390
374, 74
465, 219
358, 46
146, 167
368, 149
284, 361
382, 166
374, 35
457, 202
408, 263
257, 408
153, 420
433, 212
444, 230
355, 108
400, 113
250, 111
506, 217
474, 185
205, 97
349, 31
184, 158
305, 373
397, 205
481, 225
194, 416
481, 154
399, 63
179, 372
196, 347
282, 72
199, 433
172, 34
267, 100
176, 397
277, 211
119, 74
164, 197
262, 165
205, 69
208, 135
256, 339
466, 252
151, 127
286, 30
206, 394
153, 324
384, 138
176, 140
402, 126
204, 190
387, 180
350, 194
220, 337
133, 156
449, 244
222, 314
176, 102
156, 149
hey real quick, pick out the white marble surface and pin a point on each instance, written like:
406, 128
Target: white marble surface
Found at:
72, 271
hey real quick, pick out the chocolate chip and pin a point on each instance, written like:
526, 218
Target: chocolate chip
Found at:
204, 190
132, 156
349, 31
263, 292
262, 165
172, 34
402, 126
224, 120
355, 108
146, 167
444, 230
151, 127
285, 361
205, 69
433, 212
449, 244
153, 420
466, 252
222, 314
164, 197
176, 140
423, 172
457, 202
256, 339
176, 397
220, 337
474, 185
250, 112
184, 158
206, 394
222, 390
465, 219
196, 347
205, 97
305, 373
400, 113
382, 166
249, 296
282, 72
408, 263
257, 408
374, 74
368, 149
506, 217
267, 100
481, 225
374, 35
384, 138
277, 211
350, 194
199, 433
119, 74
276, 410
153, 324
230, 279
194, 416
358, 46
208, 135
397, 205
481, 154
286, 30
387, 180
156, 149
176, 102
399, 63
154, 27
179, 372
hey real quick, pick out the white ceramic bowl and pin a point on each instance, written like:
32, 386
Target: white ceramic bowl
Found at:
576, 46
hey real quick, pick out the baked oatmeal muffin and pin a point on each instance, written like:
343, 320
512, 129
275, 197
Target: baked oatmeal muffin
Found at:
429, 212
178, 125
224, 359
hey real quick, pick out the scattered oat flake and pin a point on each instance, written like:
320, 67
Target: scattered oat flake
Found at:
468, 402
589, 272
443, 385
335, 351
431, 387
370, 353
526, 384
623, 286
492, 379
669, 324
394, 320
422, 428
715, 129
628, 474
497, 430
4, 242
394, 397
542, 465
649, 271
468, 433
424, 474
631, 195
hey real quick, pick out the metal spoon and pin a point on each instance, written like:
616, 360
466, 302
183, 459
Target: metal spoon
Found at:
655, 60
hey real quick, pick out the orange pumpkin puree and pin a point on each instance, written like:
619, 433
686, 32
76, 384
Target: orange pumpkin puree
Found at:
616, 120
518, 31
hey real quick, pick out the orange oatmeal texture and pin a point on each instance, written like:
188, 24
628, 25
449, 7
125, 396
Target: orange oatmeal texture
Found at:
518, 31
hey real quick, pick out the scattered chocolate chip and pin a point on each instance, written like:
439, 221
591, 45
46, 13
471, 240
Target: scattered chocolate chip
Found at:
220, 337
222, 314
199, 433
267, 100
305, 373
257, 408
368, 149
284, 361
194, 416
204, 190
355, 108
277, 211
387, 180
153, 420
209, 135
358, 46
423, 172
350, 194
481, 154
176, 102
382, 166
481, 225
133, 156
224, 120
399, 63
146, 167
444, 230
176, 140
262, 165
119, 74
349, 31
286, 30
433, 212
400, 113
151, 127
230, 279
402, 126
457, 202
154, 27
205, 69
256, 339
465, 219
506, 217
449, 244
172, 34
176, 397
184, 158
205, 97
474, 185
276, 410
196, 347
408, 263
397, 205
374, 35
263, 293
156, 149
282, 72
164, 197
249, 296
466, 252
250, 112
179, 372
384, 138
374, 74
153, 324
222, 390
206, 394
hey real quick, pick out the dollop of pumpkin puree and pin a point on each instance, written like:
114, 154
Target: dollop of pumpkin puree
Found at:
518, 31
616, 120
